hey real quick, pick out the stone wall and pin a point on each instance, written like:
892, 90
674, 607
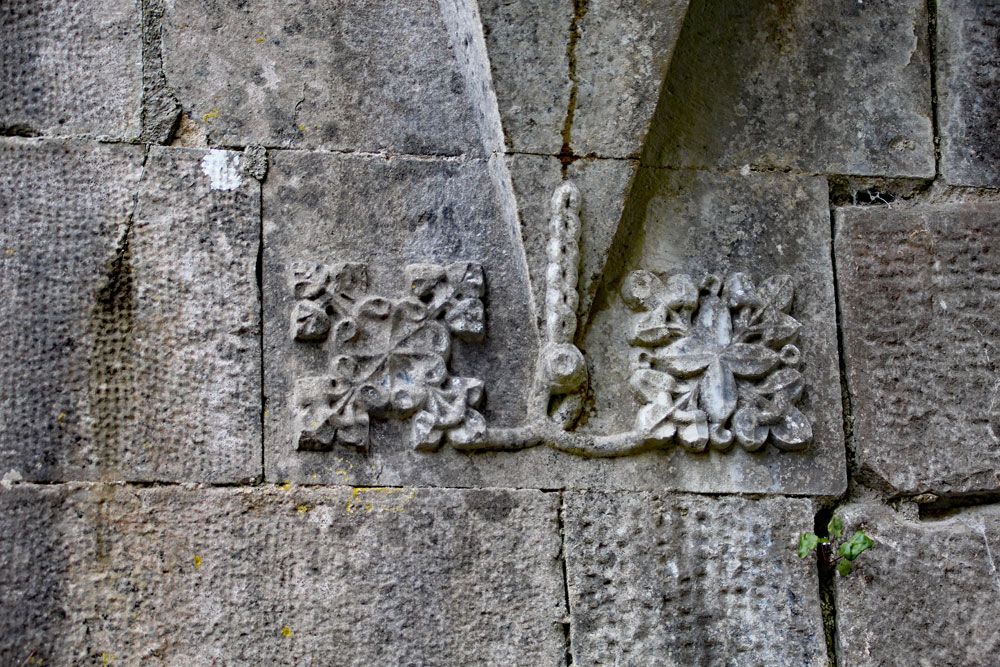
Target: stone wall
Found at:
521, 332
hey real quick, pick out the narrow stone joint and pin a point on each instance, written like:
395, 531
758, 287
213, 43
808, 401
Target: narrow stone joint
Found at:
827, 600
160, 112
567, 621
566, 156
946, 505
932, 57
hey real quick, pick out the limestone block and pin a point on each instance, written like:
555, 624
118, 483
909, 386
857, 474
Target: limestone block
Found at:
702, 224
968, 87
683, 580
604, 186
921, 336
359, 75
188, 576
825, 86
71, 68
622, 56
925, 594
132, 330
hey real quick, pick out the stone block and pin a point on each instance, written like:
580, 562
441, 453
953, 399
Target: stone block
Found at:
926, 593
968, 87
71, 68
358, 75
188, 576
825, 86
917, 296
132, 328
683, 580
700, 224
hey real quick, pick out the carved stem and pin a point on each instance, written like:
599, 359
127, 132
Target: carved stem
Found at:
550, 435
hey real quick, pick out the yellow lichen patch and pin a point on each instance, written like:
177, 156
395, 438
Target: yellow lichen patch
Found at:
9, 251
286, 631
62, 416
302, 509
284, 487
107, 658
210, 116
379, 499
302, 128
197, 562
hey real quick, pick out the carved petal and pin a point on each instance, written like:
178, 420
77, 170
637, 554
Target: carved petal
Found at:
778, 291
794, 432
740, 291
780, 329
748, 433
787, 380
424, 278
423, 436
309, 321
468, 279
308, 280
694, 436
350, 279
720, 437
714, 318
471, 433
467, 320
649, 385
652, 415
748, 360
661, 434
355, 435
642, 290
687, 356
718, 392
650, 328
680, 293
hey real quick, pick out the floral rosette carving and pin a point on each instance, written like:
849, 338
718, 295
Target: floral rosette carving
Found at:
388, 358
716, 362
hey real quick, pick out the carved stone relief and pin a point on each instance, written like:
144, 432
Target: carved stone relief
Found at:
714, 363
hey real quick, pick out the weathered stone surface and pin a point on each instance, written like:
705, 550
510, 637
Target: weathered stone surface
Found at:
621, 58
921, 337
188, 576
527, 44
71, 68
387, 214
357, 75
701, 223
683, 580
130, 326
968, 87
603, 185
927, 592
826, 86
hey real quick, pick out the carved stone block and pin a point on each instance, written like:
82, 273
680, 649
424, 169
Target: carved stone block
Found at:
940, 576
265, 576
71, 68
357, 75
918, 290
684, 580
968, 88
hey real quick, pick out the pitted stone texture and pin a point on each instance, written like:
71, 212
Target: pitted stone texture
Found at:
388, 214
526, 40
968, 85
71, 68
701, 223
128, 355
622, 56
176, 576
684, 580
64, 207
927, 592
354, 75
603, 185
918, 290
824, 86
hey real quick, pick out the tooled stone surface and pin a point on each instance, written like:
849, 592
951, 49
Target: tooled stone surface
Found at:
968, 87
708, 354
71, 68
918, 288
388, 357
927, 592
690, 580
368, 75
269, 576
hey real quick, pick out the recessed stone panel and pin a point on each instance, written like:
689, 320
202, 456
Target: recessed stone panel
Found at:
683, 580
355, 75
926, 593
71, 68
918, 289
968, 87
183, 576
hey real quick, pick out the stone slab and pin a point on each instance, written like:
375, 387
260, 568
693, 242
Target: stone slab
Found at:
71, 68
921, 337
826, 86
927, 592
352, 76
248, 576
968, 88
131, 328
684, 580
701, 223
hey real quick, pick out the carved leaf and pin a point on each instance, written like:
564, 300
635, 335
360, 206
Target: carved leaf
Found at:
748, 432
739, 291
423, 436
793, 432
786, 380
680, 293
468, 279
424, 278
779, 329
650, 385
778, 291
687, 356
350, 280
650, 328
748, 360
642, 290
694, 436
309, 280
718, 392
653, 415
309, 321
467, 320
713, 317
472, 432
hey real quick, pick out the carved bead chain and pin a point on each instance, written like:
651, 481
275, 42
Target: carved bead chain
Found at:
561, 275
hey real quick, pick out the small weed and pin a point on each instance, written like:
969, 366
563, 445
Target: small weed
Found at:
848, 551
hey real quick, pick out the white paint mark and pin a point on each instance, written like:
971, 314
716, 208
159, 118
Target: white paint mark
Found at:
223, 168
745, 170
9, 478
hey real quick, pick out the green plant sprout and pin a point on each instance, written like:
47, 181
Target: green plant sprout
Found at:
849, 550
